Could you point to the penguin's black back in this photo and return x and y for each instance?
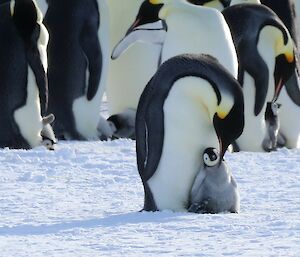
(67, 62)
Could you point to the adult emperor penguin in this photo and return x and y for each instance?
(214, 189)
(170, 141)
(266, 61)
(290, 95)
(130, 73)
(23, 68)
(78, 66)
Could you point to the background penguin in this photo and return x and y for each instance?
(170, 140)
(184, 21)
(78, 65)
(23, 68)
(290, 95)
(215, 189)
(129, 73)
(266, 61)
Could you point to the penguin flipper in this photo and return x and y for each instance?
(258, 70)
(91, 47)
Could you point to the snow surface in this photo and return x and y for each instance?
(83, 200)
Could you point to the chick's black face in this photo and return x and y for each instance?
(211, 157)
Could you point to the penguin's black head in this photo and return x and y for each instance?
(211, 157)
(148, 13)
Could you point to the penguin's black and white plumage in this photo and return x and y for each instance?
(23, 88)
(266, 61)
(215, 189)
(170, 140)
(290, 95)
(78, 66)
(172, 23)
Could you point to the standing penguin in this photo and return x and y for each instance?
(266, 61)
(169, 140)
(290, 95)
(23, 88)
(214, 189)
(78, 65)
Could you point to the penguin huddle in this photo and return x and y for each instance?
(266, 57)
(186, 79)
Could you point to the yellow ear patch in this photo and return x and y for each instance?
(289, 56)
(224, 108)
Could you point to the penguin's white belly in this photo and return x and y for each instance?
(188, 131)
(255, 126)
(129, 74)
(28, 117)
(86, 116)
(289, 122)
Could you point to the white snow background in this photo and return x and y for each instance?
(83, 199)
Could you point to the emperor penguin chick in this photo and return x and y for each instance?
(214, 189)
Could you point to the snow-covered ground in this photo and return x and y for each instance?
(83, 200)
